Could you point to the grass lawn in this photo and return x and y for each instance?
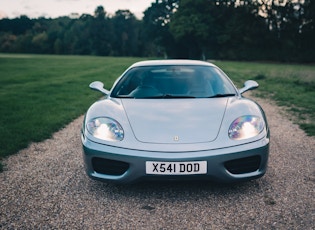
(39, 94)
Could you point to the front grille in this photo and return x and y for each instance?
(243, 165)
(109, 167)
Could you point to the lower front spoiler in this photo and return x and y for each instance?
(228, 165)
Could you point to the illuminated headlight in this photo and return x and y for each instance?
(105, 129)
(245, 127)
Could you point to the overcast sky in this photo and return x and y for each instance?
(56, 8)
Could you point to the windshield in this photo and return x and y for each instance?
(173, 82)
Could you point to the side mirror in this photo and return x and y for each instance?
(248, 85)
(99, 86)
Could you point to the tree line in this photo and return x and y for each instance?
(276, 30)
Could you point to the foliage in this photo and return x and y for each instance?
(197, 29)
(192, 26)
(155, 29)
(126, 34)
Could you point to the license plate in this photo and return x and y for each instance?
(176, 168)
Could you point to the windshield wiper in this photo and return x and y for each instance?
(176, 96)
(171, 96)
(124, 96)
(167, 96)
(222, 95)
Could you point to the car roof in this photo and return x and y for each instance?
(171, 62)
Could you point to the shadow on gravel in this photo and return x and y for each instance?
(176, 191)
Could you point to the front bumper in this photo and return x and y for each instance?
(226, 165)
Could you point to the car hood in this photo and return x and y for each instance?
(175, 121)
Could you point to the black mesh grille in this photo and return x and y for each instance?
(243, 165)
(109, 167)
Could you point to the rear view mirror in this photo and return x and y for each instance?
(248, 85)
(99, 86)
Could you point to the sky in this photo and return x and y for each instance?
(57, 8)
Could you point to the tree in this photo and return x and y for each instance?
(78, 39)
(281, 30)
(7, 42)
(243, 35)
(16, 26)
(101, 33)
(126, 32)
(155, 28)
(100, 13)
(307, 34)
(192, 27)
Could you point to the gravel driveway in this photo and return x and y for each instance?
(45, 187)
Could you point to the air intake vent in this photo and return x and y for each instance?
(109, 167)
(243, 165)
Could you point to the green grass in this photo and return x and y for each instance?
(39, 94)
(292, 86)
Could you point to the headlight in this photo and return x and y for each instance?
(105, 128)
(245, 127)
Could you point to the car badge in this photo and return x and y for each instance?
(176, 138)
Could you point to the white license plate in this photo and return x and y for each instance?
(176, 168)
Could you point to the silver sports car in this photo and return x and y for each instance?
(174, 120)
